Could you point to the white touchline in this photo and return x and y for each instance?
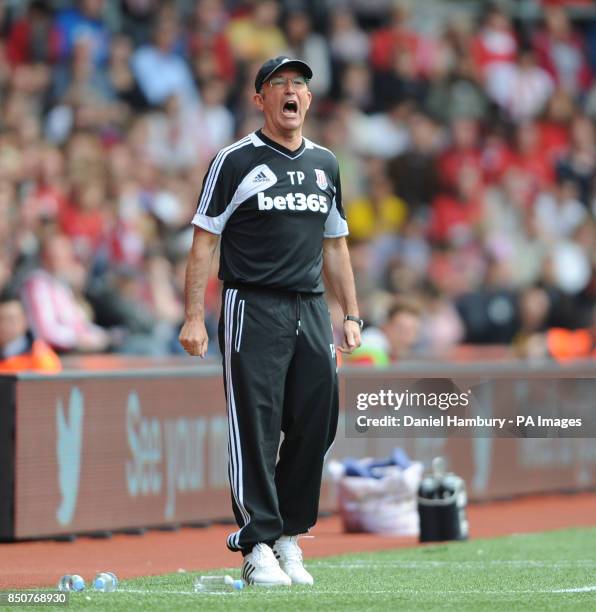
(456, 564)
(288, 591)
(586, 589)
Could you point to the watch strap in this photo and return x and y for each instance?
(355, 319)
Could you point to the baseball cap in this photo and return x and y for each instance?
(274, 64)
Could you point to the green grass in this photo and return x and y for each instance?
(520, 572)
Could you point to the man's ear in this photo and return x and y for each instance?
(309, 98)
(258, 101)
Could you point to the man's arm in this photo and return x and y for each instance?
(193, 335)
(338, 274)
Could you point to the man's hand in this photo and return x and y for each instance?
(352, 338)
(193, 337)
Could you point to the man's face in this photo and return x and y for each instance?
(284, 101)
(13, 323)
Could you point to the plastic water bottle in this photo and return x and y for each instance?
(217, 584)
(71, 582)
(105, 582)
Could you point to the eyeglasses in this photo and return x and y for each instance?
(299, 82)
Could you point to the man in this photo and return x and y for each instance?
(275, 199)
(19, 350)
(160, 71)
(53, 310)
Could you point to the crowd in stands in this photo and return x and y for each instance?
(466, 141)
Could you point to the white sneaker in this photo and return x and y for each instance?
(289, 555)
(261, 568)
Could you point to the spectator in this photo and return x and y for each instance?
(494, 50)
(562, 344)
(464, 150)
(523, 89)
(388, 43)
(357, 88)
(83, 216)
(160, 71)
(83, 23)
(395, 339)
(554, 125)
(32, 38)
(208, 36)
(383, 135)
(490, 313)
(142, 308)
(400, 81)
(173, 135)
(455, 218)
(137, 19)
(120, 76)
(534, 307)
(579, 165)
(441, 326)
(414, 173)
(311, 47)
(562, 52)
(217, 118)
(348, 43)
(46, 198)
(79, 81)
(380, 213)
(531, 158)
(256, 36)
(53, 310)
(19, 349)
(558, 213)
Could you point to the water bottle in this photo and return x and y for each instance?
(72, 582)
(106, 582)
(217, 584)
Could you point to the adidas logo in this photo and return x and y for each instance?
(261, 178)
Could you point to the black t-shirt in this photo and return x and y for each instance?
(272, 207)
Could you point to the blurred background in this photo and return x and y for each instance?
(464, 131)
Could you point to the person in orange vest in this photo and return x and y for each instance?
(564, 344)
(19, 349)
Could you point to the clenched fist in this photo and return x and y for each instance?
(193, 337)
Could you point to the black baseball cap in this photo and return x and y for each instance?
(274, 64)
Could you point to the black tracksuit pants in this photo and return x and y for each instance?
(279, 376)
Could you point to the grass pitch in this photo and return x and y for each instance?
(547, 571)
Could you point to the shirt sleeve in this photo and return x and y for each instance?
(215, 202)
(336, 225)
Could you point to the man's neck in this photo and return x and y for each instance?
(290, 140)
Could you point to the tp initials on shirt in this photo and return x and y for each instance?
(298, 178)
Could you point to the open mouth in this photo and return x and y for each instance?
(290, 108)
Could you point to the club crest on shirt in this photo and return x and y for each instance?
(321, 179)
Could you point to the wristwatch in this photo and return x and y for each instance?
(355, 319)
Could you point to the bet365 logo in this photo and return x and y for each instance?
(294, 201)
